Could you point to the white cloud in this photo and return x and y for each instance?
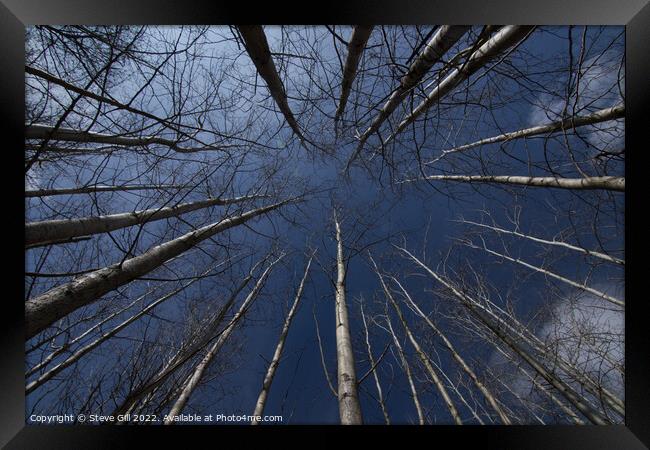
(598, 89)
(576, 322)
(589, 334)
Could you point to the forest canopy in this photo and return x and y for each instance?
(325, 224)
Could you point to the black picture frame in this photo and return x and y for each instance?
(634, 14)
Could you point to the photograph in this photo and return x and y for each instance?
(325, 224)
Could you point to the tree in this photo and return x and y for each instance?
(275, 361)
(348, 396)
(195, 377)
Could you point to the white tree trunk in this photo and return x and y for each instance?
(348, 395)
(358, 40)
(56, 242)
(47, 308)
(196, 343)
(418, 350)
(98, 188)
(515, 394)
(444, 38)
(505, 38)
(407, 370)
(512, 325)
(603, 115)
(193, 380)
(275, 361)
(578, 402)
(555, 243)
(37, 233)
(97, 342)
(568, 411)
(38, 131)
(371, 359)
(459, 359)
(45, 361)
(569, 394)
(607, 183)
(258, 50)
(548, 273)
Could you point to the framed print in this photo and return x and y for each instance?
(408, 218)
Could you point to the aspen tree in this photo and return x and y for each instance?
(56, 303)
(358, 40)
(348, 395)
(275, 361)
(192, 382)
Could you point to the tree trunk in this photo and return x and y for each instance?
(603, 115)
(567, 392)
(444, 38)
(568, 411)
(371, 359)
(459, 359)
(348, 395)
(407, 370)
(548, 273)
(517, 329)
(418, 350)
(37, 233)
(194, 379)
(44, 362)
(589, 183)
(47, 308)
(195, 344)
(548, 242)
(360, 36)
(258, 50)
(97, 342)
(38, 131)
(505, 38)
(93, 189)
(275, 361)
(56, 242)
